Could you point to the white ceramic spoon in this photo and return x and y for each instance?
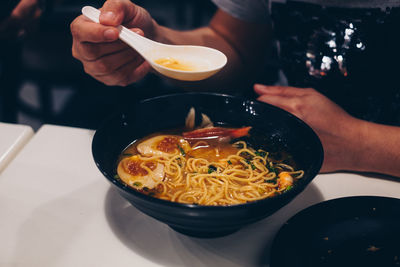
(203, 61)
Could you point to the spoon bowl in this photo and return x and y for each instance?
(200, 62)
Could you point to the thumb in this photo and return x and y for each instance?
(116, 12)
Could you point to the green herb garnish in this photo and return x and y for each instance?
(229, 162)
(211, 169)
(181, 150)
(137, 183)
(251, 164)
(271, 168)
(260, 153)
(288, 188)
(246, 155)
(117, 177)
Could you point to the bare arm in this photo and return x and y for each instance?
(349, 143)
(378, 148)
(243, 43)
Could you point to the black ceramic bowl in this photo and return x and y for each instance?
(280, 130)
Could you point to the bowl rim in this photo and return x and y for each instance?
(294, 191)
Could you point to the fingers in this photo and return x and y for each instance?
(284, 97)
(92, 40)
(92, 51)
(126, 74)
(89, 51)
(25, 9)
(112, 62)
(102, 54)
(116, 12)
(113, 13)
(26, 13)
(274, 100)
(84, 30)
(279, 90)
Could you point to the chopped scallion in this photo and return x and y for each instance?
(260, 153)
(289, 188)
(182, 151)
(137, 184)
(251, 164)
(211, 169)
(271, 168)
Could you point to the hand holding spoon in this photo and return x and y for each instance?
(181, 62)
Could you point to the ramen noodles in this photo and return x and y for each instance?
(208, 166)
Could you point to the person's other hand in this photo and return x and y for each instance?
(102, 54)
(22, 20)
(336, 129)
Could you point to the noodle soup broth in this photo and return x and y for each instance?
(204, 171)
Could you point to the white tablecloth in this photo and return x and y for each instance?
(57, 209)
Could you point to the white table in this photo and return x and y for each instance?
(12, 138)
(57, 209)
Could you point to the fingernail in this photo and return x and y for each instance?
(109, 16)
(110, 34)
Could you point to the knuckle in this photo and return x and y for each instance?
(106, 82)
(102, 67)
(86, 70)
(119, 3)
(296, 105)
(115, 4)
(95, 67)
(112, 80)
(90, 51)
(124, 82)
(101, 79)
(74, 53)
(74, 28)
(121, 79)
(73, 50)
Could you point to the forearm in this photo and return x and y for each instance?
(350, 144)
(376, 148)
(204, 36)
(224, 80)
(235, 39)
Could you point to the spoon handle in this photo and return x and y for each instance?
(134, 40)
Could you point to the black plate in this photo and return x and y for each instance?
(351, 231)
